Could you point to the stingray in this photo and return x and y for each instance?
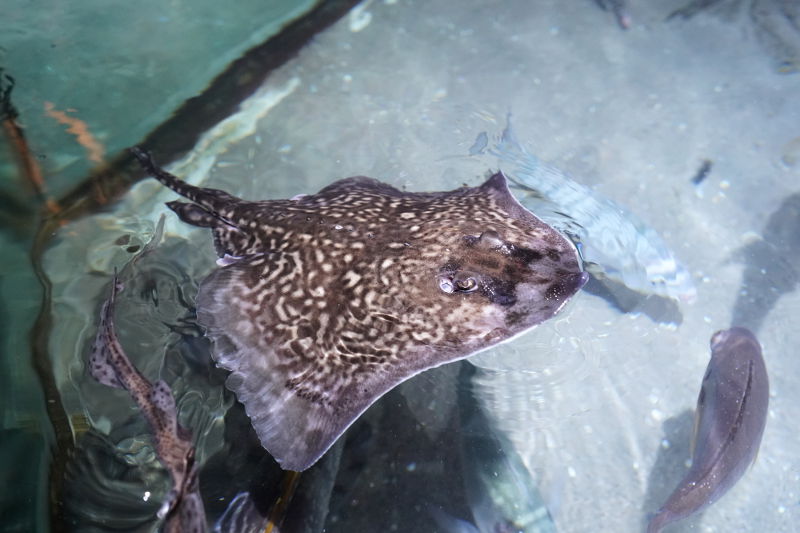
(324, 302)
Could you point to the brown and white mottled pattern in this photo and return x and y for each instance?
(325, 302)
(182, 510)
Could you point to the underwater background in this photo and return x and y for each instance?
(689, 120)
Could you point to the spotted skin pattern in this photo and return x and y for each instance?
(324, 302)
(182, 509)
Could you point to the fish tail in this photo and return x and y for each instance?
(525, 170)
(211, 200)
(658, 521)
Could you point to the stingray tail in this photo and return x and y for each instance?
(209, 208)
(213, 201)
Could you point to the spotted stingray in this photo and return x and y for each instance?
(322, 303)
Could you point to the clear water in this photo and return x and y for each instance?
(597, 403)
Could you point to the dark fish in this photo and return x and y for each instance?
(183, 509)
(729, 421)
(702, 172)
(325, 302)
(620, 10)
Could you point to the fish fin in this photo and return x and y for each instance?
(210, 208)
(216, 202)
(706, 389)
(155, 239)
(659, 520)
(300, 389)
(695, 429)
(194, 214)
(341, 189)
(241, 516)
(228, 238)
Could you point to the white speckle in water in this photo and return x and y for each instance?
(360, 17)
(665, 444)
(285, 149)
(146, 496)
(657, 415)
(411, 467)
(724, 185)
(571, 472)
(347, 78)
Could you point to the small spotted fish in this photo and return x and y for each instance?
(729, 422)
(182, 510)
(324, 302)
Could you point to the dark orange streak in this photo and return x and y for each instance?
(80, 130)
(30, 167)
(278, 511)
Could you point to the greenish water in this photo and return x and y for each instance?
(80, 66)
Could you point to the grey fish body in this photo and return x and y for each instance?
(614, 243)
(329, 300)
(730, 419)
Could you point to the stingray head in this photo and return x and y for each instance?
(498, 282)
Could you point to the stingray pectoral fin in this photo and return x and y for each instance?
(299, 397)
(295, 429)
(238, 315)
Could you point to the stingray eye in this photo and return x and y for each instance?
(466, 284)
(458, 282)
(465, 281)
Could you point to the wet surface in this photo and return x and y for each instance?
(584, 399)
